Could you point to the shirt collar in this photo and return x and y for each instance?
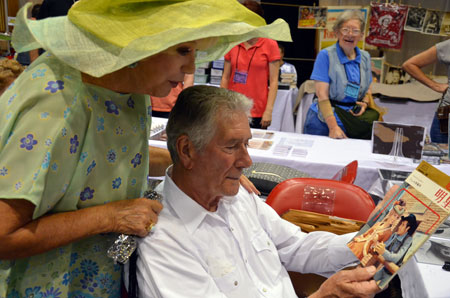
(343, 58)
(400, 238)
(256, 45)
(188, 210)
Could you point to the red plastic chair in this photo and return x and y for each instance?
(347, 173)
(322, 196)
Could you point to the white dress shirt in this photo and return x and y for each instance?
(244, 249)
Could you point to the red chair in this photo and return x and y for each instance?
(347, 173)
(322, 196)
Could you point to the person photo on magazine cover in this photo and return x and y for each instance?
(391, 252)
(381, 231)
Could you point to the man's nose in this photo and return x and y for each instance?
(244, 160)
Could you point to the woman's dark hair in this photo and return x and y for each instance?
(254, 6)
(35, 10)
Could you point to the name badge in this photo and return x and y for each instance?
(352, 90)
(240, 77)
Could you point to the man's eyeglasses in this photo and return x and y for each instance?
(346, 31)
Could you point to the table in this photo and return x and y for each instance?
(325, 156)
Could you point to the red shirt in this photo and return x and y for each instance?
(257, 87)
(165, 104)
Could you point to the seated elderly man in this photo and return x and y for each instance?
(215, 239)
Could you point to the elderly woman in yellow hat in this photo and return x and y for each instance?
(74, 155)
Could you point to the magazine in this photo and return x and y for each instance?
(403, 223)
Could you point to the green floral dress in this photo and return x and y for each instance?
(66, 145)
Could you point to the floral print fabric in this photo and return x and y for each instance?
(66, 145)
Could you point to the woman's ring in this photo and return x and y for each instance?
(150, 227)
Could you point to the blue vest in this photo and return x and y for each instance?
(338, 77)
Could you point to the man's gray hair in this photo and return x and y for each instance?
(195, 113)
(347, 15)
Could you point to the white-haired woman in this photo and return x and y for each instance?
(74, 156)
(342, 75)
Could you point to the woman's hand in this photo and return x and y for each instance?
(439, 87)
(248, 185)
(363, 106)
(133, 217)
(337, 133)
(266, 119)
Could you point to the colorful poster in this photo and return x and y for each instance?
(311, 17)
(327, 36)
(445, 27)
(414, 21)
(377, 69)
(386, 25)
(433, 21)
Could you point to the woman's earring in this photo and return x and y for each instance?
(132, 65)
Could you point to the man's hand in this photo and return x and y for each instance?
(349, 283)
(248, 185)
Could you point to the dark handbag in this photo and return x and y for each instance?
(442, 115)
(265, 176)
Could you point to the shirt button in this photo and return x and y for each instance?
(236, 283)
(268, 243)
(264, 290)
(231, 229)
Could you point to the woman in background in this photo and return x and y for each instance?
(251, 68)
(437, 53)
(342, 75)
(161, 106)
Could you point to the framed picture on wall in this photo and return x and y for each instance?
(445, 27)
(312, 17)
(415, 18)
(433, 22)
(395, 75)
(377, 65)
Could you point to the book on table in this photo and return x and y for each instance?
(403, 223)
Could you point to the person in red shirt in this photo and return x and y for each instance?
(161, 106)
(251, 68)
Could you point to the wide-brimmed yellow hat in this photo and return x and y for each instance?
(101, 36)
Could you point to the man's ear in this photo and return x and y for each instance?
(186, 151)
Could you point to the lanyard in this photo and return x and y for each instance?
(249, 63)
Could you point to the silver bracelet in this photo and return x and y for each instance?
(125, 245)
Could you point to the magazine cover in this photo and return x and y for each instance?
(403, 224)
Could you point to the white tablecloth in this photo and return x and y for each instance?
(326, 156)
